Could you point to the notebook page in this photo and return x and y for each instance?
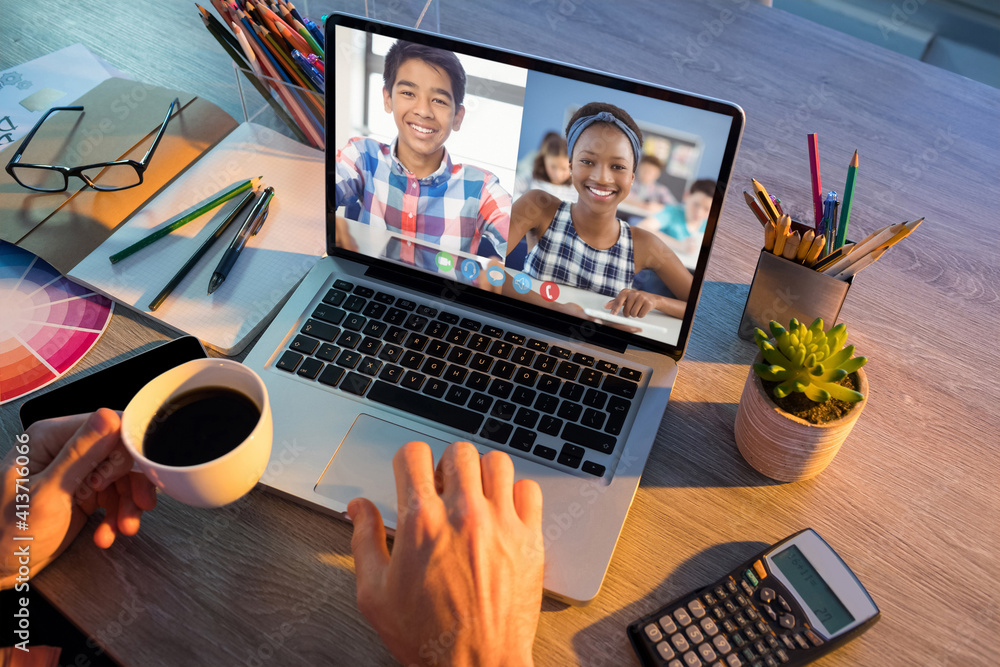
(271, 264)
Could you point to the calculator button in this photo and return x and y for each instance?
(749, 634)
(772, 642)
(675, 663)
(766, 594)
(682, 617)
(668, 625)
(707, 653)
(813, 637)
(691, 659)
(721, 645)
(728, 626)
(801, 641)
(787, 641)
(749, 654)
(665, 651)
(770, 612)
(769, 661)
(653, 632)
(733, 660)
(731, 586)
(730, 607)
(782, 656)
(718, 613)
(709, 599)
(694, 634)
(697, 608)
(752, 613)
(679, 642)
(709, 626)
(760, 646)
(747, 588)
(737, 639)
(751, 578)
(763, 629)
(741, 601)
(742, 620)
(787, 621)
(784, 604)
(758, 567)
(720, 592)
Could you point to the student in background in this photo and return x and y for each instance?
(682, 227)
(411, 186)
(550, 170)
(647, 191)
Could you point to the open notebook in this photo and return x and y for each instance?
(273, 262)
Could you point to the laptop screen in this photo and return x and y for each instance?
(563, 194)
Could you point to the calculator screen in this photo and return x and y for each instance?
(813, 589)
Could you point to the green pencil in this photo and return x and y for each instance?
(180, 222)
(845, 207)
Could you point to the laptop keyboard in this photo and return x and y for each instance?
(547, 402)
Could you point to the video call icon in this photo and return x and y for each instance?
(445, 262)
(495, 276)
(522, 283)
(470, 268)
(549, 291)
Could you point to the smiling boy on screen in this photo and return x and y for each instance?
(411, 186)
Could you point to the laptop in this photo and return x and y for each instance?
(401, 334)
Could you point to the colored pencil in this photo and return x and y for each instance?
(184, 219)
(845, 208)
(752, 203)
(765, 200)
(817, 188)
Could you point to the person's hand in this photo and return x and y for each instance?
(343, 235)
(463, 585)
(71, 466)
(631, 303)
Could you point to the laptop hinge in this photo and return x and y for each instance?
(583, 332)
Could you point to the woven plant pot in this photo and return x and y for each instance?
(785, 447)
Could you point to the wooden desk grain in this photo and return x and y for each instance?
(910, 501)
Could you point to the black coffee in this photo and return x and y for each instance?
(199, 426)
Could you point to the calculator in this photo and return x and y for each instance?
(795, 601)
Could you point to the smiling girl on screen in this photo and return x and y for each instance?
(584, 244)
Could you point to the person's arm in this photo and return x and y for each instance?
(58, 473)
(463, 584)
(650, 253)
(349, 187)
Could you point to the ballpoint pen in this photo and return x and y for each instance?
(179, 276)
(250, 228)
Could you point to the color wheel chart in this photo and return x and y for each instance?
(47, 322)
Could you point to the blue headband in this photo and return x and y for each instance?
(582, 123)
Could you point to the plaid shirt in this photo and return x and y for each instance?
(455, 207)
(563, 257)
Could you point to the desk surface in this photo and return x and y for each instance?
(910, 501)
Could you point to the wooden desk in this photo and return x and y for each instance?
(910, 501)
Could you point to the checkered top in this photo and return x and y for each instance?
(455, 207)
(563, 257)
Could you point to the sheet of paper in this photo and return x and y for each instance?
(28, 90)
(290, 242)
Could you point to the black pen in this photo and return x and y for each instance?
(175, 281)
(250, 228)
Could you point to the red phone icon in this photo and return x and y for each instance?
(549, 290)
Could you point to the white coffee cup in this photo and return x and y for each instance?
(219, 481)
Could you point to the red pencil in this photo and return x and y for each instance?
(817, 188)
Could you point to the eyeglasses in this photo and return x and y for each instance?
(103, 176)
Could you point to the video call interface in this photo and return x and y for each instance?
(478, 186)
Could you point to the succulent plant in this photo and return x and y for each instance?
(808, 360)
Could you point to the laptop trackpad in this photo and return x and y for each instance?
(362, 465)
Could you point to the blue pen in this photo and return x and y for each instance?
(829, 221)
(315, 31)
(309, 70)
